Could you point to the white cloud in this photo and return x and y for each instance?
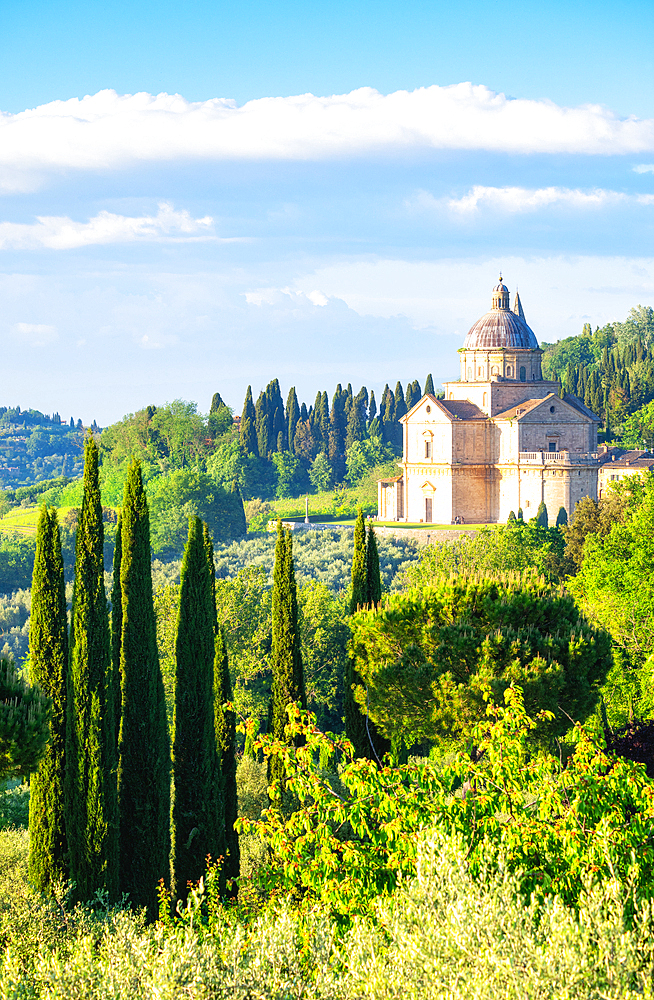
(61, 233)
(273, 296)
(644, 168)
(109, 131)
(519, 199)
(35, 334)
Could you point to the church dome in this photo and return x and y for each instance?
(501, 327)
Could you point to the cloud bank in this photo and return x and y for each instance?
(519, 199)
(108, 131)
(61, 233)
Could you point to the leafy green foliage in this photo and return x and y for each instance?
(16, 562)
(615, 587)
(48, 668)
(557, 829)
(25, 714)
(183, 493)
(429, 657)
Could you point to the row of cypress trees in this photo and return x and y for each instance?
(268, 426)
(100, 800)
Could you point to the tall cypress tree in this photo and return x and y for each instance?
(429, 386)
(287, 671)
(292, 416)
(373, 576)
(144, 751)
(366, 586)
(225, 731)
(248, 433)
(262, 426)
(91, 804)
(197, 816)
(372, 407)
(117, 629)
(48, 862)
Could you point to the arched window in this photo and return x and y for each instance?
(523, 374)
(495, 370)
(485, 403)
(509, 370)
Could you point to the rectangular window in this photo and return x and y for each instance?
(552, 445)
(399, 499)
(427, 449)
(428, 509)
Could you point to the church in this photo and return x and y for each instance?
(503, 438)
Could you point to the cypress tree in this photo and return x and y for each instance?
(216, 402)
(366, 589)
(262, 426)
(541, 515)
(144, 751)
(248, 434)
(287, 671)
(561, 517)
(292, 416)
(429, 386)
(355, 426)
(91, 804)
(373, 576)
(117, 628)
(48, 665)
(197, 815)
(225, 732)
(372, 408)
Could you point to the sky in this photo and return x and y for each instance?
(197, 197)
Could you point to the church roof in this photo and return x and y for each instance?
(463, 409)
(501, 327)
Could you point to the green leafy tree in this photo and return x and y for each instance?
(91, 802)
(25, 714)
(291, 476)
(286, 656)
(144, 749)
(615, 588)
(48, 665)
(324, 635)
(320, 472)
(429, 657)
(197, 815)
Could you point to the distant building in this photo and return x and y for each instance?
(502, 439)
(618, 463)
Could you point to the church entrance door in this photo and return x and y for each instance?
(428, 510)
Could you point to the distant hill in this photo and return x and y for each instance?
(35, 446)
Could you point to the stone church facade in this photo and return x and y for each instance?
(500, 440)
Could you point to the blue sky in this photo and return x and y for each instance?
(197, 197)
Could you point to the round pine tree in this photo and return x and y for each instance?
(197, 821)
(91, 803)
(144, 750)
(48, 666)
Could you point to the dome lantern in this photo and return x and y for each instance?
(502, 327)
(501, 296)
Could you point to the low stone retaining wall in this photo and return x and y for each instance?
(422, 535)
